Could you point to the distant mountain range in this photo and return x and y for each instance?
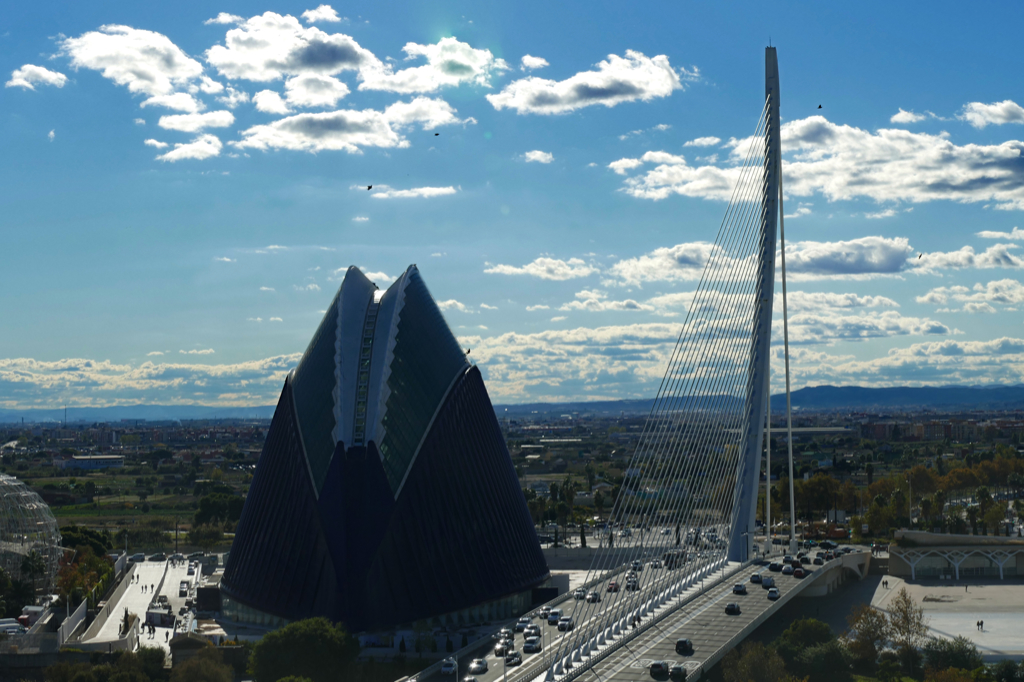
(810, 399)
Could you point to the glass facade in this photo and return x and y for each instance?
(352, 541)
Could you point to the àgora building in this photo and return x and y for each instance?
(385, 493)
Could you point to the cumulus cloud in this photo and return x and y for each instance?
(207, 351)
(270, 46)
(616, 80)
(312, 286)
(854, 259)
(449, 63)
(844, 163)
(595, 300)
(907, 117)
(414, 193)
(349, 130)
(531, 308)
(202, 147)
(232, 98)
(225, 18)
(681, 262)
(155, 352)
(29, 76)
(821, 301)
(452, 304)
(267, 289)
(538, 156)
(276, 319)
(224, 259)
(829, 327)
(52, 134)
(314, 90)
(980, 115)
(145, 62)
(996, 256)
(703, 142)
(381, 277)
(270, 102)
(980, 298)
(1016, 234)
(484, 306)
(193, 123)
(179, 101)
(661, 127)
(321, 13)
(140, 121)
(546, 268)
(360, 219)
(529, 63)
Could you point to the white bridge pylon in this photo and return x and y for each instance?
(690, 495)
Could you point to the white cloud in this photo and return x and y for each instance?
(270, 102)
(531, 308)
(703, 142)
(267, 289)
(538, 156)
(321, 13)
(675, 263)
(449, 63)
(202, 147)
(597, 301)
(800, 212)
(1005, 292)
(179, 101)
(439, 254)
(140, 121)
(414, 193)
(276, 319)
(208, 351)
(844, 163)
(452, 304)
(616, 80)
(360, 219)
(546, 268)
(1016, 234)
(661, 127)
(381, 277)
(155, 352)
(145, 62)
(484, 306)
(431, 113)
(887, 213)
(314, 90)
(232, 98)
(29, 76)
(907, 117)
(854, 259)
(530, 63)
(821, 301)
(224, 259)
(225, 18)
(996, 256)
(193, 123)
(829, 326)
(559, 318)
(980, 115)
(254, 319)
(52, 134)
(270, 46)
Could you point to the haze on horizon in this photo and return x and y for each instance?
(184, 189)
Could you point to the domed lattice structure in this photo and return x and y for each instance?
(27, 525)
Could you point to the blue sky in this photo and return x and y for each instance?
(179, 193)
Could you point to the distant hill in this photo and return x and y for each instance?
(811, 399)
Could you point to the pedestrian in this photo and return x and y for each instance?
(152, 588)
(965, 588)
(167, 636)
(983, 626)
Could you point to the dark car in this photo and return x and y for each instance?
(799, 573)
(768, 582)
(775, 567)
(739, 588)
(659, 668)
(684, 646)
(805, 560)
(818, 561)
(158, 557)
(756, 578)
(677, 672)
(513, 658)
(732, 609)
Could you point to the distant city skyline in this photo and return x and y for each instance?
(184, 189)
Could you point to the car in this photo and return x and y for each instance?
(565, 623)
(739, 588)
(532, 631)
(579, 593)
(191, 570)
(684, 646)
(593, 597)
(196, 555)
(827, 544)
(544, 611)
(513, 658)
(657, 563)
(523, 623)
(506, 633)
(787, 570)
(799, 573)
(755, 578)
(502, 647)
(613, 586)
(666, 531)
(768, 582)
(677, 672)
(632, 586)
(637, 565)
(553, 616)
(732, 609)
(787, 559)
(532, 645)
(818, 561)
(177, 557)
(773, 593)
(159, 556)
(775, 567)
(829, 556)
(659, 668)
(478, 665)
(805, 560)
(449, 666)
(847, 550)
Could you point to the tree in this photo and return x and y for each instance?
(1006, 670)
(553, 491)
(951, 675)
(313, 648)
(205, 537)
(870, 471)
(994, 518)
(908, 629)
(599, 501)
(206, 666)
(33, 565)
(753, 662)
(959, 652)
(801, 634)
(591, 475)
(825, 663)
(868, 633)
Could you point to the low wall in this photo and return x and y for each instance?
(127, 642)
(103, 614)
(71, 623)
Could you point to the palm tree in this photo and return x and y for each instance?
(926, 511)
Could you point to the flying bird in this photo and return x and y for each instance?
(467, 351)
(369, 187)
(436, 134)
(819, 106)
(919, 256)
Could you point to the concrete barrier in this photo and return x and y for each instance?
(115, 597)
